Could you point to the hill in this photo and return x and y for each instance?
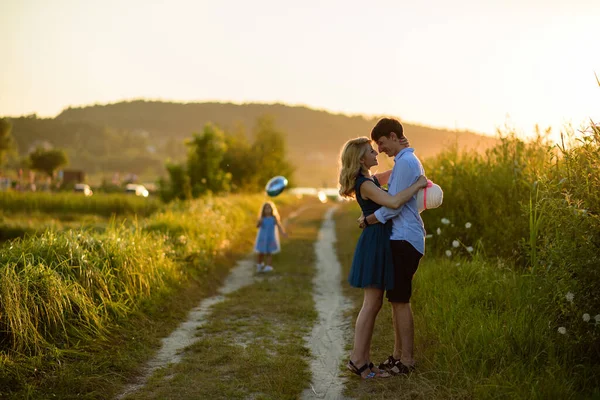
(314, 137)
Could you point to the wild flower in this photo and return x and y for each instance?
(562, 330)
(597, 318)
(569, 296)
(438, 231)
(470, 249)
(445, 221)
(448, 253)
(429, 236)
(586, 317)
(468, 225)
(455, 243)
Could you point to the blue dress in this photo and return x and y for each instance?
(372, 265)
(267, 238)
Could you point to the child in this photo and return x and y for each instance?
(267, 238)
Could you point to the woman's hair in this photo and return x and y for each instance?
(350, 165)
(262, 210)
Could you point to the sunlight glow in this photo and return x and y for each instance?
(466, 65)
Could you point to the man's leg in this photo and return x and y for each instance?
(404, 333)
(406, 262)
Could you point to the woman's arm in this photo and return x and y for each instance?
(383, 177)
(259, 223)
(369, 190)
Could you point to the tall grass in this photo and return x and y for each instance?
(99, 204)
(484, 329)
(536, 206)
(61, 290)
(488, 191)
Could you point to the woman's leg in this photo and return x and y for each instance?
(268, 259)
(365, 322)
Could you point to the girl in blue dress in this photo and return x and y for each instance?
(372, 266)
(267, 238)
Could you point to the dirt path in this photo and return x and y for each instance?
(326, 342)
(185, 335)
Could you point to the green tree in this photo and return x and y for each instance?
(205, 154)
(48, 161)
(6, 139)
(269, 152)
(236, 161)
(179, 185)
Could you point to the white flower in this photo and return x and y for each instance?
(562, 330)
(586, 317)
(457, 264)
(445, 221)
(428, 236)
(439, 231)
(597, 318)
(569, 296)
(455, 243)
(448, 253)
(470, 249)
(468, 225)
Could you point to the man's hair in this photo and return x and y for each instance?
(385, 126)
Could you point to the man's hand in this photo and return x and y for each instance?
(361, 222)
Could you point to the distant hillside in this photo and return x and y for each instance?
(314, 136)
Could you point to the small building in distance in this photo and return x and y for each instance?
(71, 176)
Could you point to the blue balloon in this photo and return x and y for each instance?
(276, 185)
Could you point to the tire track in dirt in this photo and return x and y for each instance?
(327, 340)
(173, 346)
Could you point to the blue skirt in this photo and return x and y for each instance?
(372, 265)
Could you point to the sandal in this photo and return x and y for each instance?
(395, 367)
(359, 371)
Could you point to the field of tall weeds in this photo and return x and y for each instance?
(61, 289)
(536, 206)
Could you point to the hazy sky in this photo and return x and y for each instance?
(458, 64)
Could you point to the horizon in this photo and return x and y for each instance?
(460, 67)
(350, 115)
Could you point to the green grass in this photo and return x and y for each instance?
(74, 203)
(66, 293)
(253, 343)
(482, 331)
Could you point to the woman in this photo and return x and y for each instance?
(372, 266)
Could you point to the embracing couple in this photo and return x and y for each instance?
(391, 244)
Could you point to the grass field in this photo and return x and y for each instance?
(482, 331)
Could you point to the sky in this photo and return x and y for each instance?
(462, 64)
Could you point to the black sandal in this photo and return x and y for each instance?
(395, 367)
(359, 371)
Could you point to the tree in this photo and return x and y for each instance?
(236, 161)
(269, 152)
(179, 184)
(205, 154)
(48, 161)
(6, 140)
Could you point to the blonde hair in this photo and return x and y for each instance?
(275, 213)
(350, 165)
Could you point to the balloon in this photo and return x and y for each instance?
(430, 197)
(276, 185)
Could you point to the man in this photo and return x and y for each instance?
(407, 240)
